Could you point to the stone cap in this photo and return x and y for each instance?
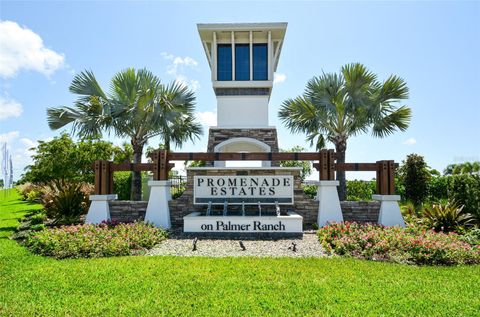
(386, 197)
(103, 197)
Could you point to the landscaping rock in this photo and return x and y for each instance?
(178, 245)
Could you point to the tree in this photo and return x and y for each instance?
(414, 174)
(335, 107)
(138, 106)
(305, 165)
(62, 158)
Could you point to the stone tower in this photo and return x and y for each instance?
(243, 58)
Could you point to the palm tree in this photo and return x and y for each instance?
(138, 106)
(335, 107)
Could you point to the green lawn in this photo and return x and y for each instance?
(33, 285)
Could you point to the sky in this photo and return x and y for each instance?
(434, 46)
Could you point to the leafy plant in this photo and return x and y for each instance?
(66, 201)
(447, 217)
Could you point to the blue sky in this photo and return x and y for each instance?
(434, 46)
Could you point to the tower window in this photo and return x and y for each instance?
(242, 62)
(260, 62)
(224, 62)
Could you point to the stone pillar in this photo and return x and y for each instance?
(329, 209)
(158, 211)
(390, 214)
(99, 209)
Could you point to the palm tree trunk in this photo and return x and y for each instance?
(136, 192)
(340, 149)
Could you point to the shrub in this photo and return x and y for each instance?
(438, 188)
(122, 183)
(25, 189)
(414, 175)
(310, 190)
(412, 246)
(446, 217)
(95, 240)
(360, 190)
(66, 201)
(465, 189)
(472, 237)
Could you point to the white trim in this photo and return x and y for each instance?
(261, 144)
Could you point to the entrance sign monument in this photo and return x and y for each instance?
(254, 201)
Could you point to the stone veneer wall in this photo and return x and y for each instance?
(265, 135)
(127, 211)
(360, 211)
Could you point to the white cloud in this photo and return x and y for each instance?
(9, 108)
(279, 78)
(410, 141)
(9, 136)
(21, 48)
(178, 67)
(207, 118)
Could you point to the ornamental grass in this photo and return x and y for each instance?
(395, 244)
(88, 241)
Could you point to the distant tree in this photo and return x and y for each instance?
(62, 158)
(138, 106)
(335, 107)
(462, 168)
(414, 174)
(305, 165)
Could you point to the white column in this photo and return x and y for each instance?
(158, 211)
(233, 55)
(329, 209)
(214, 54)
(390, 214)
(99, 209)
(269, 56)
(251, 55)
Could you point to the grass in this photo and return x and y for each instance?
(132, 286)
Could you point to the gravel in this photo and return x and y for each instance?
(176, 245)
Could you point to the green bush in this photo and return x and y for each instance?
(411, 246)
(360, 190)
(447, 217)
(310, 190)
(465, 189)
(95, 240)
(414, 175)
(438, 188)
(122, 184)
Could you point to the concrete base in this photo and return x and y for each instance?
(329, 209)
(99, 210)
(158, 211)
(390, 214)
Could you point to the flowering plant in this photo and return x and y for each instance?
(411, 245)
(105, 239)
